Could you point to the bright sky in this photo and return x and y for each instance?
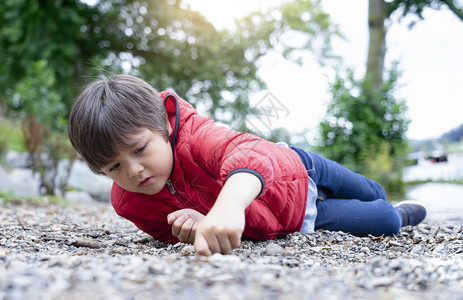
(430, 55)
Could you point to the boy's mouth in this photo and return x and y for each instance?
(146, 182)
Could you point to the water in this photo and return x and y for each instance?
(442, 200)
(451, 170)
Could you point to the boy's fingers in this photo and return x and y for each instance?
(213, 243)
(172, 217)
(225, 245)
(185, 230)
(235, 241)
(177, 225)
(191, 237)
(201, 246)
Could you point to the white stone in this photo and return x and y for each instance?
(22, 182)
(79, 197)
(98, 186)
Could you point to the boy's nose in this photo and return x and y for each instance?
(135, 169)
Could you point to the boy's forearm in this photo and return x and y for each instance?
(239, 190)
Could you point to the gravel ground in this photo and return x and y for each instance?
(88, 252)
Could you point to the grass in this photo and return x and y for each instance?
(417, 182)
(10, 198)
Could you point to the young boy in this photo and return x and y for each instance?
(180, 177)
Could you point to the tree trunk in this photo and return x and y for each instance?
(376, 46)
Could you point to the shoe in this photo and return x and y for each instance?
(411, 213)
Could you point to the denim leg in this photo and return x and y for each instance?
(357, 217)
(336, 181)
(350, 201)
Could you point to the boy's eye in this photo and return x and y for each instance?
(140, 150)
(113, 168)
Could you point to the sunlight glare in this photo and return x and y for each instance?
(222, 14)
(89, 2)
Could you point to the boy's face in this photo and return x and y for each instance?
(145, 165)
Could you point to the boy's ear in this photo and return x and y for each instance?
(169, 128)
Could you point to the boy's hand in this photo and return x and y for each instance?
(220, 231)
(184, 223)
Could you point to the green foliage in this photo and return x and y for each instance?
(43, 123)
(381, 131)
(43, 32)
(386, 168)
(416, 7)
(294, 28)
(366, 134)
(49, 49)
(308, 18)
(36, 95)
(216, 70)
(163, 42)
(208, 67)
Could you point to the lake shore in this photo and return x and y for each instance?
(88, 252)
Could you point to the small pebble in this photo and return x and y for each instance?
(393, 243)
(273, 249)
(417, 250)
(88, 244)
(439, 250)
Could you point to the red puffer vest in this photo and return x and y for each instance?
(205, 155)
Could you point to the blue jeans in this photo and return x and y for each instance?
(348, 201)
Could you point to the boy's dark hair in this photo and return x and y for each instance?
(110, 109)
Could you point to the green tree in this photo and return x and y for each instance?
(50, 48)
(164, 42)
(379, 11)
(303, 21)
(174, 47)
(365, 124)
(48, 32)
(42, 111)
(366, 136)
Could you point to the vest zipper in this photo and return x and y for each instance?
(172, 190)
(171, 187)
(180, 197)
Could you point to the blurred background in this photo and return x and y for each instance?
(375, 85)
